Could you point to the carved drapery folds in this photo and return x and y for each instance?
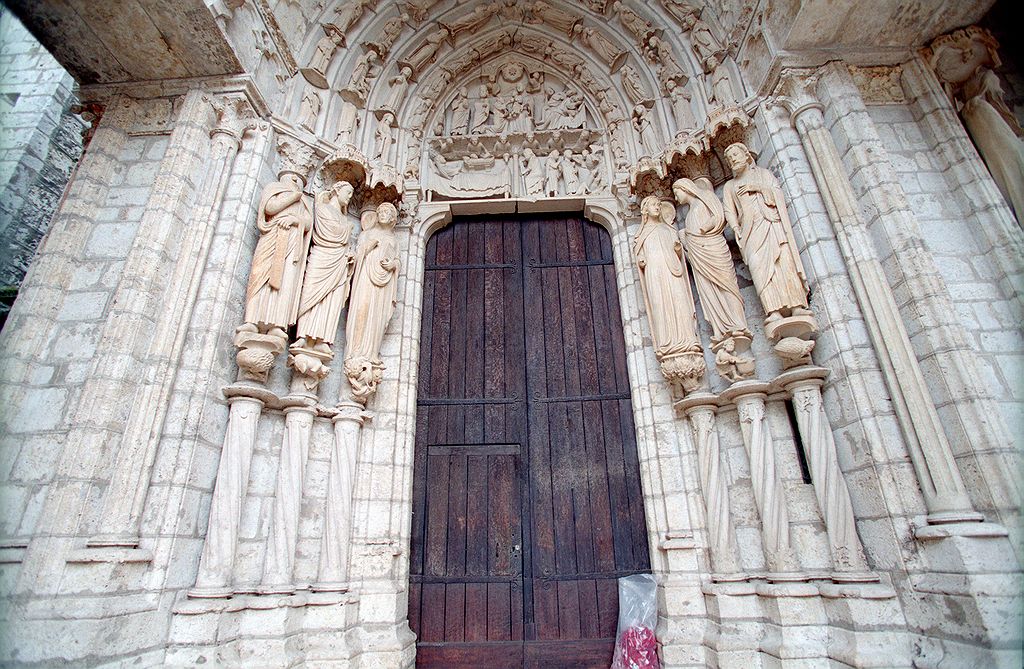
(666, 288)
(964, 61)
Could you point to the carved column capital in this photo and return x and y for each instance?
(234, 117)
(296, 157)
(795, 93)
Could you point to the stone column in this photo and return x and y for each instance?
(334, 549)
(284, 525)
(769, 494)
(218, 558)
(700, 408)
(941, 484)
(804, 385)
(126, 495)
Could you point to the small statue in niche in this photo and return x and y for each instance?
(460, 113)
(366, 68)
(682, 110)
(475, 20)
(347, 123)
(349, 13)
(325, 284)
(604, 48)
(389, 33)
(284, 219)
(399, 83)
(309, 110)
(385, 137)
(533, 173)
(374, 286)
(481, 112)
(552, 172)
(570, 173)
(556, 18)
(713, 271)
(427, 51)
(755, 209)
(632, 22)
(315, 72)
(633, 85)
(666, 289)
(645, 130)
(721, 89)
(703, 41)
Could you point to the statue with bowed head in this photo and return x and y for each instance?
(755, 209)
(374, 287)
(666, 288)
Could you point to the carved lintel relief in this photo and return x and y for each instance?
(515, 132)
(964, 61)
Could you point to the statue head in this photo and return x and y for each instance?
(650, 206)
(684, 190)
(387, 215)
(739, 157)
(668, 213)
(344, 191)
(528, 153)
(296, 180)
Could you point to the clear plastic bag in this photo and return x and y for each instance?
(636, 647)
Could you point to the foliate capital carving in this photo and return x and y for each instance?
(795, 92)
(234, 117)
(296, 157)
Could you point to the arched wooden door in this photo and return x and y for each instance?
(527, 502)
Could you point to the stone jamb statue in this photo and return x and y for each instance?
(374, 287)
(715, 276)
(666, 288)
(755, 209)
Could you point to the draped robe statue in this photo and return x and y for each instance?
(374, 287)
(708, 254)
(666, 288)
(284, 220)
(755, 209)
(328, 269)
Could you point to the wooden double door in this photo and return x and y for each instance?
(527, 501)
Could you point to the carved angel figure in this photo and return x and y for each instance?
(364, 70)
(632, 21)
(682, 111)
(633, 85)
(284, 220)
(721, 90)
(399, 83)
(755, 209)
(385, 136)
(475, 20)
(374, 286)
(427, 51)
(645, 129)
(328, 269)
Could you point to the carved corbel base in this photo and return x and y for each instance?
(791, 335)
(311, 365)
(315, 77)
(684, 371)
(385, 184)
(256, 353)
(730, 362)
(364, 375)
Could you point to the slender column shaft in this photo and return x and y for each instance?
(829, 483)
(284, 527)
(129, 485)
(716, 492)
(942, 486)
(334, 550)
(218, 558)
(769, 494)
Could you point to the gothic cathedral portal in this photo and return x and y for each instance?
(527, 500)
